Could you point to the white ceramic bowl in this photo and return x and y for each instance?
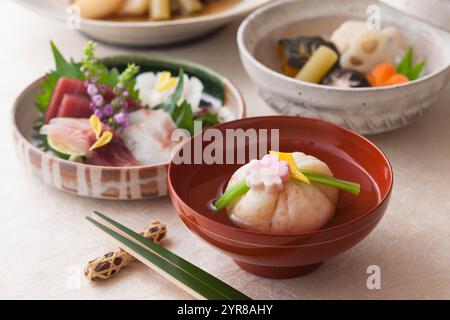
(365, 110)
(145, 32)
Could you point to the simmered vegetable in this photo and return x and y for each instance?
(294, 53)
(160, 9)
(385, 75)
(318, 65)
(362, 48)
(407, 68)
(355, 57)
(155, 10)
(190, 6)
(346, 78)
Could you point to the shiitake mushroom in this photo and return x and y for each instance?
(345, 78)
(294, 53)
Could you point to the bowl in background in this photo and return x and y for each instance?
(365, 110)
(124, 183)
(350, 156)
(145, 33)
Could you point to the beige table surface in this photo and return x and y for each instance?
(45, 240)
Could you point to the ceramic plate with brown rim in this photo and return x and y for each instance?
(139, 31)
(107, 182)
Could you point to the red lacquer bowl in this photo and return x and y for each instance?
(282, 255)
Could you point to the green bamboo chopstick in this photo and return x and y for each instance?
(174, 266)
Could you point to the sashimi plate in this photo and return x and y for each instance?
(107, 182)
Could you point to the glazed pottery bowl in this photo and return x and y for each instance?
(365, 110)
(111, 182)
(192, 187)
(140, 33)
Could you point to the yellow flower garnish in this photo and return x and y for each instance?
(102, 141)
(96, 125)
(165, 81)
(295, 171)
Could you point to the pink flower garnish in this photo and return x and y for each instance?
(269, 173)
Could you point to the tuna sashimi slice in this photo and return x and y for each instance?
(114, 154)
(75, 106)
(63, 87)
(67, 86)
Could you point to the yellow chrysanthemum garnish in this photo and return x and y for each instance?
(295, 171)
(102, 139)
(165, 81)
(96, 125)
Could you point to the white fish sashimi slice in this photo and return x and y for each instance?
(149, 136)
(69, 136)
(195, 93)
(146, 83)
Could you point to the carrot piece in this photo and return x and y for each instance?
(396, 79)
(372, 80)
(382, 72)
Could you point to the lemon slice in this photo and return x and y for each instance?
(64, 149)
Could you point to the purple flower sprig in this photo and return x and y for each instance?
(90, 67)
(119, 104)
(115, 113)
(92, 73)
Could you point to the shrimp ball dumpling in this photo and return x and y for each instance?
(277, 201)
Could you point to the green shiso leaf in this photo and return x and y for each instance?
(182, 114)
(183, 117)
(416, 70)
(407, 68)
(111, 77)
(208, 119)
(406, 62)
(212, 82)
(64, 68)
(170, 104)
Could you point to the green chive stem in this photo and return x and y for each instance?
(231, 195)
(320, 178)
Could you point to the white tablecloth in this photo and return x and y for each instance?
(45, 241)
